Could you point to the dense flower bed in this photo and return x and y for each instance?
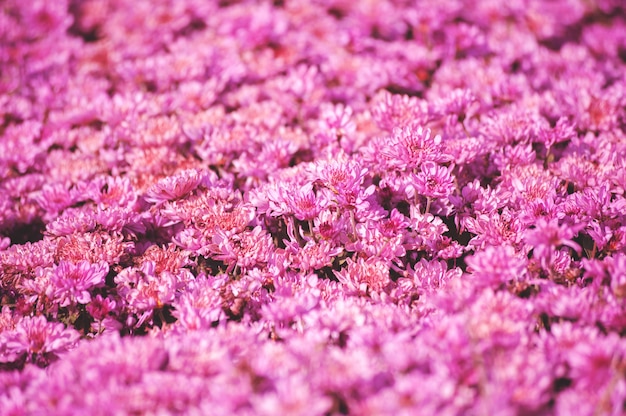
(313, 207)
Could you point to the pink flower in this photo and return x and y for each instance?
(116, 191)
(35, 336)
(41, 18)
(304, 203)
(364, 275)
(292, 395)
(177, 186)
(500, 319)
(376, 243)
(548, 235)
(331, 225)
(72, 281)
(292, 300)
(73, 220)
(572, 303)
(562, 131)
(391, 111)
(193, 240)
(201, 304)
(344, 179)
(495, 229)
(411, 146)
(616, 266)
(426, 230)
(341, 176)
(433, 181)
(336, 121)
(54, 198)
(515, 125)
(461, 103)
(496, 265)
(430, 276)
(243, 250)
(595, 363)
(100, 307)
(312, 256)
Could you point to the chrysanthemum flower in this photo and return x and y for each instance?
(411, 146)
(36, 337)
(72, 281)
(174, 187)
(433, 180)
(547, 235)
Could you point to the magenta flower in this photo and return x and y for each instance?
(100, 307)
(304, 203)
(496, 265)
(312, 256)
(547, 236)
(392, 110)
(177, 186)
(72, 281)
(144, 289)
(201, 305)
(411, 146)
(433, 181)
(322, 207)
(35, 336)
(342, 177)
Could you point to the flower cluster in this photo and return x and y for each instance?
(313, 207)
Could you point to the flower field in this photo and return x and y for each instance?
(321, 207)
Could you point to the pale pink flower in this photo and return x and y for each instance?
(364, 275)
(336, 121)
